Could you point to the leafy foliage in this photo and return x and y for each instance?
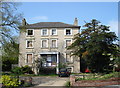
(22, 70)
(10, 81)
(95, 45)
(100, 76)
(10, 21)
(10, 53)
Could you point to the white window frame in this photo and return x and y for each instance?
(27, 58)
(27, 32)
(56, 43)
(41, 43)
(66, 29)
(71, 68)
(32, 44)
(65, 42)
(51, 31)
(42, 32)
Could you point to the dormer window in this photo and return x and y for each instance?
(68, 31)
(30, 32)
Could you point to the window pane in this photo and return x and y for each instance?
(30, 32)
(29, 44)
(68, 32)
(53, 31)
(54, 58)
(54, 43)
(29, 58)
(68, 43)
(44, 43)
(44, 32)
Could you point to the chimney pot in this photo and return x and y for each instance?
(76, 22)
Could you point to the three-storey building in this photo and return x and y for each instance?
(48, 41)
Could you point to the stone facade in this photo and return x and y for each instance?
(49, 43)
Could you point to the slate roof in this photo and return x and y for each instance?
(50, 25)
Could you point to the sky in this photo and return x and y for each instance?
(105, 12)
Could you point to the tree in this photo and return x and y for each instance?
(10, 54)
(95, 45)
(10, 20)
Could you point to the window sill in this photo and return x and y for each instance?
(44, 47)
(44, 35)
(54, 47)
(30, 36)
(68, 35)
(54, 35)
(29, 48)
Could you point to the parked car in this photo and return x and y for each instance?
(64, 72)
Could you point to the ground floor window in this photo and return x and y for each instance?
(70, 69)
(29, 58)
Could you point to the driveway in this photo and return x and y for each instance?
(49, 81)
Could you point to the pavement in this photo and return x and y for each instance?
(57, 82)
(48, 81)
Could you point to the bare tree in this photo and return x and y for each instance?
(10, 20)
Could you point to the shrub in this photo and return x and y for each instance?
(17, 70)
(10, 81)
(22, 70)
(27, 69)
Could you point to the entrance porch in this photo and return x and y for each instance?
(50, 59)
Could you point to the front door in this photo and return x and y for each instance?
(49, 61)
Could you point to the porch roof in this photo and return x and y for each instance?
(49, 52)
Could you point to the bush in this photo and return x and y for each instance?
(27, 69)
(22, 70)
(10, 81)
(17, 70)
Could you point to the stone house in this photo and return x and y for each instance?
(48, 40)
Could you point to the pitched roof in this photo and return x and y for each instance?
(50, 25)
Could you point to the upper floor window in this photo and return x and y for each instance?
(44, 32)
(44, 43)
(30, 32)
(29, 58)
(53, 31)
(68, 31)
(53, 43)
(29, 44)
(68, 43)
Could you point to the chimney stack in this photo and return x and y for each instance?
(76, 22)
(24, 22)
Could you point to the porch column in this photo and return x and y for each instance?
(57, 68)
